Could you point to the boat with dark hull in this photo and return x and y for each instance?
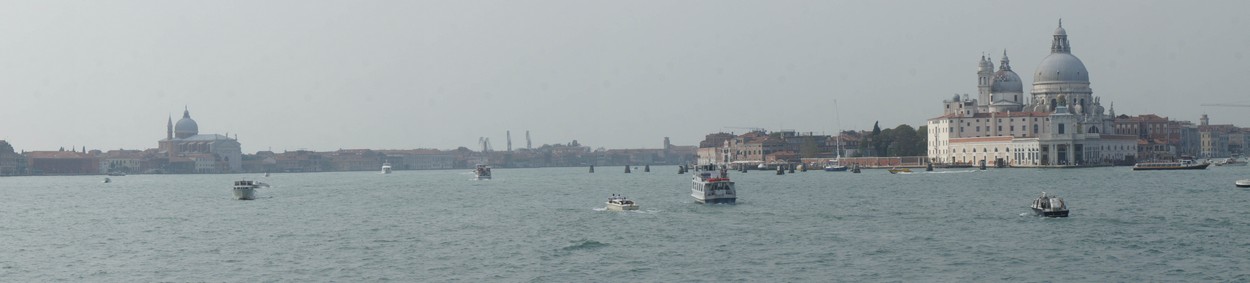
(1049, 206)
(834, 167)
(1243, 183)
(1170, 165)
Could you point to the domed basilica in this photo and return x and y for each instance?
(1060, 125)
(190, 152)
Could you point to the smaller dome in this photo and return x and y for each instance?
(1006, 81)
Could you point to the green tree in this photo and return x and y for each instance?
(883, 141)
(903, 141)
(922, 141)
(872, 142)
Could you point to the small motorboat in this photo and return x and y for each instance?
(107, 180)
(246, 190)
(621, 203)
(899, 170)
(1049, 206)
(1231, 161)
(1243, 183)
(386, 168)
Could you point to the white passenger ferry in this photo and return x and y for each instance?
(386, 168)
(709, 188)
(246, 190)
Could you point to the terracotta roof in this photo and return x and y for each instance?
(56, 154)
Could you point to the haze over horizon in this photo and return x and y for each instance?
(325, 75)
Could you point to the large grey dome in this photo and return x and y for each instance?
(186, 127)
(1061, 67)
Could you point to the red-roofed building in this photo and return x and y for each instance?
(61, 163)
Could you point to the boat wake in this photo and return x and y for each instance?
(952, 172)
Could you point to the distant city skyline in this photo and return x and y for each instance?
(325, 75)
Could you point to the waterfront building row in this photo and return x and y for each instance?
(1061, 124)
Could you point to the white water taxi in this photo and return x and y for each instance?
(386, 168)
(621, 203)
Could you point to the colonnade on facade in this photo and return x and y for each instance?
(1034, 153)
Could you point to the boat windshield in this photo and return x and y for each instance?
(1057, 203)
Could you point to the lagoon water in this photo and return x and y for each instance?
(547, 225)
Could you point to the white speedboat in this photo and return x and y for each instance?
(709, 188)
(246, 190)
(482, 172)
(1049, 206)
(1232, 161)
(1243, 183)
(386, 168)
(621, 203)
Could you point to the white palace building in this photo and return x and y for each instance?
(1061, 125)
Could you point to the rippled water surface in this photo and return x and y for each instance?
(547, 225)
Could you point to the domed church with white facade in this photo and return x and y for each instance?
(1062, 124)
(190, 152)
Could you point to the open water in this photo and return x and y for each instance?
(548, 225)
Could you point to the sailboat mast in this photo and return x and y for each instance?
(837, 121)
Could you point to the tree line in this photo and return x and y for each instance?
(899, 141)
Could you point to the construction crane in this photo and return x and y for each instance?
(484, 142)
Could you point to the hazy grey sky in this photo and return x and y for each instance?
(325, 75)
